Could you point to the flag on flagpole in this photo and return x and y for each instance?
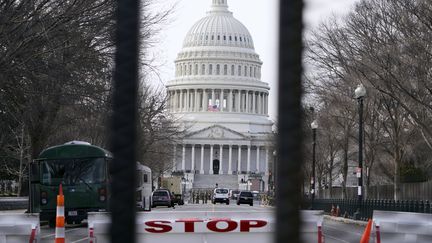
(213, 108)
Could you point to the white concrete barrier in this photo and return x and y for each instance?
(19, 227)
(403, 227)
(202, 227)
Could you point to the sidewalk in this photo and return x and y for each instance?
(345, 220)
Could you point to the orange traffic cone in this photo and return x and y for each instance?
(60, 218)
(366, 235)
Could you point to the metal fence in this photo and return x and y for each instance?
(408, 191)
(351, 208)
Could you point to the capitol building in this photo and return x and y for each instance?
(218, 96)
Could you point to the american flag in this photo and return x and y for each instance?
(213, 108)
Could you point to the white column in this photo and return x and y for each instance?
(239, 160)
(211, 160)
(202, 160)
(187, 100)
(221, 100)
(258, 160)
(238, 101)
(193, 158)
(221, 158)
(230, 160)
(196, 107)
(183, 158)
(213, 98)
(175, 101)
(181, 100)
(230, 99)
(266, 104)
(253, 102)
(259, 103)
(248, 159)
(205, 100)
(174, 157)
(266, 162)
(247, 101)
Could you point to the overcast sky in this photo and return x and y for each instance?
(259, 16)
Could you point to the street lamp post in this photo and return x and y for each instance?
(314, 126)
(360, 93)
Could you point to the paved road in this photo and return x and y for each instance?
(335, 232)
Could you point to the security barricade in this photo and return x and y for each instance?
(200, 226)
(402, 227)
(311, 229)
(19, 227)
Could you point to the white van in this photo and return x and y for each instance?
(144, 187)
(220, 195)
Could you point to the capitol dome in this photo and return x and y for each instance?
(218, 97)
(220, 28)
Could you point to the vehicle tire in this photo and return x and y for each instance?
(238, 203)
(250, 204)
(227, 203)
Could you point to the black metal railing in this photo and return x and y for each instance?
(350, 208)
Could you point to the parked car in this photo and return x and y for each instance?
(245, 197)
(178, 199)
(234, 194)
(162, 197)
(220, 195)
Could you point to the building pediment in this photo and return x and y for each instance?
(216, 132)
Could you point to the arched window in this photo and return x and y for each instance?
(255, 72)
(232, 70)
(225, 69)
(210, 69)
(250, 71)
(239, 70)
(190, 69)
(196, 69)
(217, 69)
(203, 69)
(212, 38)
(224, 37)
(218, 37)
(181, 70)
(245, 71)
(235, 38)
(230, 38)
(240, 38)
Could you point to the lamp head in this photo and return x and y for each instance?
(314, 124)
(360, 91)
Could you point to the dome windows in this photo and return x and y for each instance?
(232, 70)
(217, 69)
(210, 69)
(203, 69)
(225, 69)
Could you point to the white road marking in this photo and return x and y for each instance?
(83, 239)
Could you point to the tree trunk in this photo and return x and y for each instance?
(345, 169)
(20, 172)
